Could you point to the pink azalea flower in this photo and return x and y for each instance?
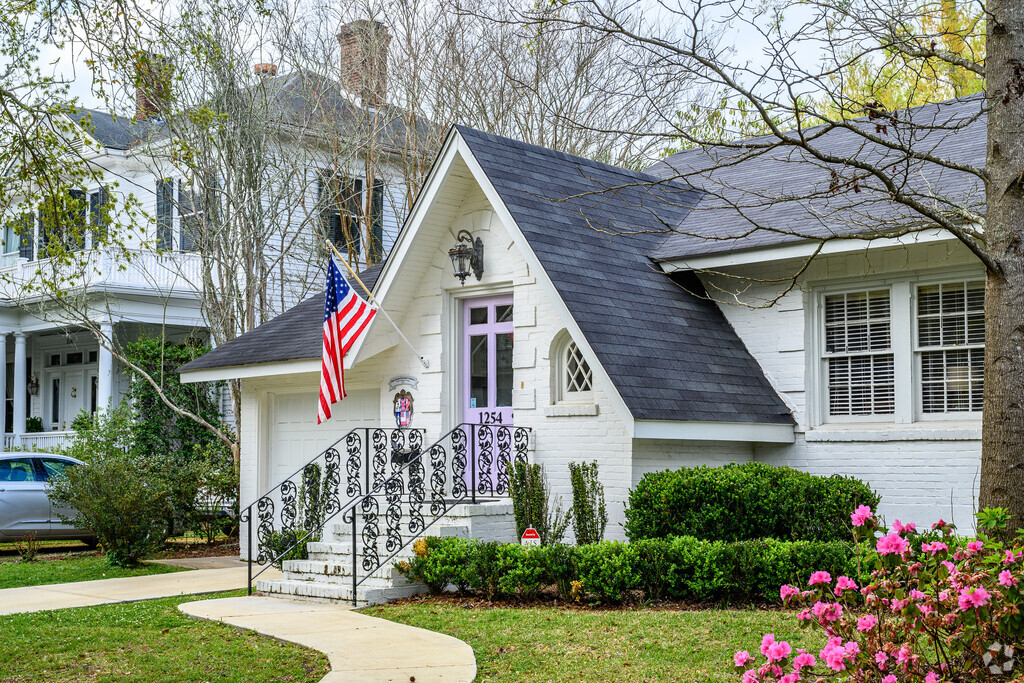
(789, 678)
(880, 659)
(934, 548)
(844, 583)
(827, 611)
(975, 546)
(1006, 578)
(804, 660)
(892, 544)
(804, 616)
(766, 642)
(778, 651)
(932, 677)
(786, 591)
(867, 622)
(939, 525)
(973, 597)
(900, 528)
(861, 516)
(750, 676)
(742, 658)
(888, 679)
(1010, 557)
(820, 577)
(917, 595)
(903, 655)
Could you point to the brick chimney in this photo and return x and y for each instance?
(153, 75)
(364, 60)
(265, 70)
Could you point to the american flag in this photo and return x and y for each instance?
(346, 315)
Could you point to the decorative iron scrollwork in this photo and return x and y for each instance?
(380, 458)
(522, 444)
(370, 532)
(459, 445)
(265, 511)
(353, 465)
(313, 514)
(504, 461)
(331, 491)
(438, 479)
(484, 459)
(394, 488)
(416, 495)
(289, 505)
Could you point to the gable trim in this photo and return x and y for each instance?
(751, 432)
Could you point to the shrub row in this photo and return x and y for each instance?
(742, 502)
(682, 568)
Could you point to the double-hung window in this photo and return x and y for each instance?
(903, 352)
(858, 354)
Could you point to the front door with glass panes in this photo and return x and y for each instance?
(487, 360)
(68, 391)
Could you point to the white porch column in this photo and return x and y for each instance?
(20, 385)
(3, 387)
(105, 371)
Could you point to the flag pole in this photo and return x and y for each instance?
(373, 299)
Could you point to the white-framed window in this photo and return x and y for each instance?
(951, 346)
(573, 380)
(899, 351)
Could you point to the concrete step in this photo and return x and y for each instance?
(341, 551)
(335, 571)
(316, 591)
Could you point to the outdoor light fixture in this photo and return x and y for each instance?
(466, 255)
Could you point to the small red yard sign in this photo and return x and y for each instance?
(530, 537)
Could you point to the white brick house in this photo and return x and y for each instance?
(617, 353)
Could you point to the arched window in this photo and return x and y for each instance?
(572, 380)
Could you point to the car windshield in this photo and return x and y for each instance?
(17, 469)
(55, 467)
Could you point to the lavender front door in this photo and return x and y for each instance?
(487, 360)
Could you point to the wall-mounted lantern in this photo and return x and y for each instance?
(467, 255)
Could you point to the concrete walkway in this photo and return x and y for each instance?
(360, 648)
(130, 589)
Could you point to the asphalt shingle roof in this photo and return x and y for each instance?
(755, 197)
(117, 132)
(295, 334)
(670, 352)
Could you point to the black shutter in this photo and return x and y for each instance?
(77, 213)
(97, 203)
(354, 209)
(377, 221)
(26, 240)
(165, 214)
(44, 232)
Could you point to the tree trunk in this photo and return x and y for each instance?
(1002, 462)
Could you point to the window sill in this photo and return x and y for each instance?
(571, 410)
(903, 432)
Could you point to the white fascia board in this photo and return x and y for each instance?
(291, 367)
(543, 279)
(751, 432)
(406, 235)
(802, 250)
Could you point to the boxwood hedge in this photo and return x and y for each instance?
(744, 502)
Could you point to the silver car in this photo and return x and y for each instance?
(24, 506)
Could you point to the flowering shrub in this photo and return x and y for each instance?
(922, 609)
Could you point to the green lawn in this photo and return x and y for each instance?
(145, 641)
(67, 568)
(553, 644)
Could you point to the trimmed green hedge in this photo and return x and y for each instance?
(681, 568)
(743, 502)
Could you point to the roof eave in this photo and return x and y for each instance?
(748, 432)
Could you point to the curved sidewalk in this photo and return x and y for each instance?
(128, 589)
(360, 648)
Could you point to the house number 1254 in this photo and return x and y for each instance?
(489, 418)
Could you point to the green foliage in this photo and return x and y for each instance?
(160, 429)
(532, 504)
(289, 544)
(612, 572)
(117, 495)
(742, 502)
(33, 424)
(589, 515)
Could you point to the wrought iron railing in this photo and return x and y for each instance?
(297, 509)
(468, 463)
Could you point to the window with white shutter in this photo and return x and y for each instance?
(858, 354)
(951, 346)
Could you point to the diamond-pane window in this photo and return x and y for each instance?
(578, 376)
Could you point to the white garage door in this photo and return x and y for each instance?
(297, 438)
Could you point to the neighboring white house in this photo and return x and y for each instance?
(53, 371)
(591, 325)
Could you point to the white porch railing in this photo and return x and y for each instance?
(140, 269)
(48, 441)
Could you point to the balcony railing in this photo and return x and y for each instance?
(45, 441)
(139, 269)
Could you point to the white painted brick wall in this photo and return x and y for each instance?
(923, 471)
